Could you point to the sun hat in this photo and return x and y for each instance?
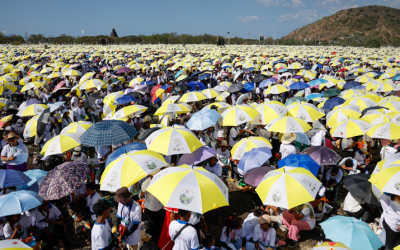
(147, 118)
(11, 135)
(224, 143)
(394, 141)
(288, 138)
(122, 195)
(265, 219)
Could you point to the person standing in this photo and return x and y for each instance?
(12, 151)
(182, 233)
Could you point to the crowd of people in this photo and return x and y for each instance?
(334, 96)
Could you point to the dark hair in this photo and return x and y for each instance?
(335, 170)
(232, 222)
(348, 163)
(182, 212)
(91, 186)
(207, 239)
(100, 206)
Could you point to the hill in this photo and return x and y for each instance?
(357, 27)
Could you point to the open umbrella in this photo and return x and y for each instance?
(177, 108)
(350, 128)
(387, 180)
(193, 96)
(238, 114)
(77, 127)
(130, 168)
(14, 244)
(201, 154)
(89, 100)
(352, 232)
(32, 110)
(203, 119)
(63, 180)
(288, 124)
(385, 130)
(189, 188)
(288, 187)
(269, 111)
(331, 92)
(34, 175)
(18, 202)
(322, 155)
(333, 102)
(235, 87)
(331, 246)
(254, 176)
(359, 187)
(60, 143)
(247, 144)
(130, 148)
(11, 178)
(109, 132)
(172, 141)
(259, 78)
(254, 158)
(305, 111)
(143, 135)
(181, 87)
(130, 110)
(124, 99)
(301, 161)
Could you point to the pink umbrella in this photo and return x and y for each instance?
(59, 85)
(75, 65)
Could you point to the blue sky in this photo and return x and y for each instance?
(134, 17)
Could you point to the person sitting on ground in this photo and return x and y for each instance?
(333, 178)
(214, 167)
(264, 234)
(87, 212)
(350, 165)
(296, 219)
(233, 235)
(17, 227)
(356, 208)
(208, 242)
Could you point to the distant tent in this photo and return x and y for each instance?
(113, 33)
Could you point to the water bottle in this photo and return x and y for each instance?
(366, 171)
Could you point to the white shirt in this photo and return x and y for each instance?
(249, 224)
(223, 157)
(216, 169)
(287, 149)
(346, 142)
(387, 151)
(151, 202)
(22, 233)
(101, 236)
(391, 212)
(81, 158)
(337, 178)
(234, 235)
(264, 238)
(74, 102)
(130, 215)
(355, 164)
(194, 218)
(79, 114)
(9, 151)
(92, 200)
(351, 204)
(187, 240)
(232, 134)
(38, 217)
(308, 214)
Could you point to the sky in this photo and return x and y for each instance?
(245, 18)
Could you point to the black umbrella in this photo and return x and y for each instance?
(331, 92)
(89, 100)
(359, 186)
(235, 87)
(181, 87)
(42, 122)
(147, 89)
(259, 78)
(352, 77)
(372, 108)
(143, 135)
(12, 106)
(135, 94)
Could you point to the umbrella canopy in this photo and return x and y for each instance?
(109, 132)
(235, 87)
(247, 144)
(301, 161)
(198, 156)
(331, 246)
(333, 102)
(124, 99)
(189, 188)
(130, 110)
(331, 92)
(63, 180)
(338, 115)
(322, 155)
(32, 110)
(350, 128)
(172, 141)
(359, 187)
(14, 245)
(11, 178)
(203, 119)
(238, 114)
(385, 130)
(352, 232)
(269, 111)
(193, 96)
(288, 124)
(34, 175)
(392, 160)
(19, 202)
(60, 143)
(181, 87)
(288, 187)
(130, 148)
(77, 127)
(387, 180)
(305, 111)
(143, 135)
(130, 168)
(254, 158)
(42, 121)
(172, 107)
(254, 176)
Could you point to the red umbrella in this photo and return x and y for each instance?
(341, 70)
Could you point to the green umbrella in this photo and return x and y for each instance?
(331, 92)
(296, 99)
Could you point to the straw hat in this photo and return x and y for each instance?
(11, 135)
(224, 143)
(288, 138)
(147, 119)
(265, 219)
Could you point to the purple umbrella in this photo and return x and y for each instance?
(221, 88)
(201, 154)
(123, 70)
(322, 155)
(254, 176)
(63, 180)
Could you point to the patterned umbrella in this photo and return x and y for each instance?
(109, 132)
(11, 178)
(63, 180)
(322, 155)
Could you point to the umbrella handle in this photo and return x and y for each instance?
(166, 245)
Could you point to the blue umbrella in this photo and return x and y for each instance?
(313, 96)
(179, 73)
(299, 85)
(203, 76)
(254, 158)
(267, 82)
(124, 99)
(333, 102)
(282, 70)
(301, 161)
(12, 178)
(302, 138)
(193, 85)
(317, 82)
(19, 202)
(351, 84)
(201, 154)
(55, 106)
(250, 69)
(148, 83)
(247, 87)
(137, 146)
(352, 232)
(34, 175)
(109, 132)
(203, 119)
